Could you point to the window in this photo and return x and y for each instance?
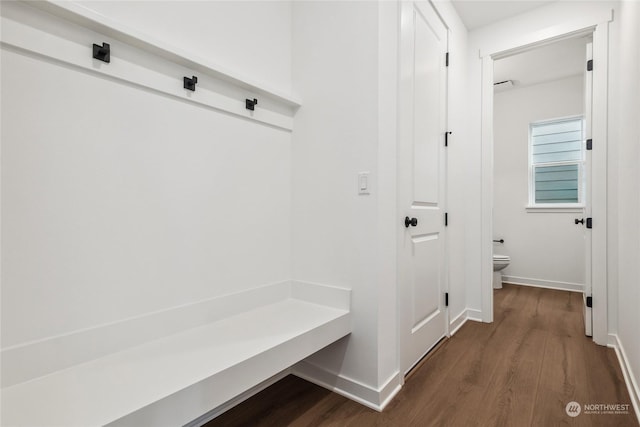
(556, 163)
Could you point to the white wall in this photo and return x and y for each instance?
(249, 38)
(118, 201)
(335, 71)
(543, 246)
(627, 124)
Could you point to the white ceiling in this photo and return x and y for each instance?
(554, 61)
(478, 13)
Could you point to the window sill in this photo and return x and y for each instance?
(555, 208)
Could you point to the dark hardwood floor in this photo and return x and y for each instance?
(521, 370)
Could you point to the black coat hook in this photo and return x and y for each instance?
(190, 83)
(251, 104)
(102, 53)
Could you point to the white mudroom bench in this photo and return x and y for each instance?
(177, 378)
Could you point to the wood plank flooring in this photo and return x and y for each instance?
(521, 370)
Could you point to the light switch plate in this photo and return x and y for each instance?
(364, 183)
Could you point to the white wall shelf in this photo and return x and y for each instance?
(85, 17)
(64, 32)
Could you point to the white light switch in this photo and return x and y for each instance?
(363, 183)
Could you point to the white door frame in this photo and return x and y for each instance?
(598, 25)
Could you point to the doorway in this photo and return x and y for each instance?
(541, 168)
(598, 26)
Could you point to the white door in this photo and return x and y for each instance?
(421, 182)
(588, 319)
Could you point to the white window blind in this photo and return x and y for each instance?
(557, 157)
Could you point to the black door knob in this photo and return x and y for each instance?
(410, 221)
(579, 221)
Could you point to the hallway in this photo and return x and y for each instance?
(521, 370)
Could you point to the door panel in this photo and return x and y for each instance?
(426, 127)
(425, 297)
(421, 181)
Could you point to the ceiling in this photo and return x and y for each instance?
(551, 62)
(478, 13)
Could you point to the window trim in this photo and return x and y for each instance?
(557, 208)
(532, 206)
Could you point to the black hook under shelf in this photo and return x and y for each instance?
(102, 53)
(190, 83)
(251, 104)
(499, 241)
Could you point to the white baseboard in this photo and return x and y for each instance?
(475, 315)
(364, 394)
(461, 319)
(370, 397)
(541, 283)
(389, 390)
(457, 322)
(237, 400)
(627, 372)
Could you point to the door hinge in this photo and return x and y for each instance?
(446, 299)
(589, 144)
(590, 65)
(589, 302)
(446, 59)
(446, 138)
(589, 223)
(446, 219)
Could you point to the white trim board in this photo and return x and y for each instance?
(629, 379)
(548, 33)
(30, 31)
(541, 283)
(81, 15)
(368, 396)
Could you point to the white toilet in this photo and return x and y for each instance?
(500, 262)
